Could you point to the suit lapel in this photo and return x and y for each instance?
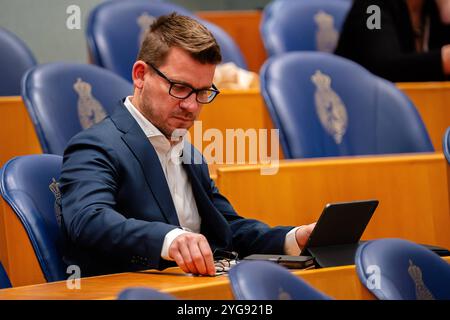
(146, 155)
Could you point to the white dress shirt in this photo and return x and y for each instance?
(180, 186)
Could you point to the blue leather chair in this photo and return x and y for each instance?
(396, 269)
(15, 60)
(115, 29)
(264, 280)
(64, 98)
(4, 280)
(325, 105)
(141, 293)
(446, 144)
(24, 185)
(302, 25)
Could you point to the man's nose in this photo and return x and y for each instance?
(190, 103)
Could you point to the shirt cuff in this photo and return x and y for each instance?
(290, 244)
(168, 239)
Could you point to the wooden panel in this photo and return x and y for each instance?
(232, 109)
(17, 254)
(432, 100)
(413, 191)
(243, 27)
(17, 135)
(345, 283)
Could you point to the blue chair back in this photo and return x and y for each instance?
(24, 185)
(264, 280)
(446, 144)
(325, 105)
(302, 25)
(65, 98)
(15, 60)
(141, 293)
(396, 269)
(116, 28)
(4, 280)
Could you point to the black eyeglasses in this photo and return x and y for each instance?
(183, 91)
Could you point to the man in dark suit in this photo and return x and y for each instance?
(128, 202)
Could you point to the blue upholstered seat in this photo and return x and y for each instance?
(264, 280)
(396, 269)
(64, 98)
(325, 105)
(4, 279)
(141, 293)
(15, 59)
(302, 25)
(24, 185)
(116, 28)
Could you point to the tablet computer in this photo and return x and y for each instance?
(290, 262)
(340, 224)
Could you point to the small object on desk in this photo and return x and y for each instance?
(224, 265)
(290, 262)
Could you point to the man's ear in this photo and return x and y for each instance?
(140, 68)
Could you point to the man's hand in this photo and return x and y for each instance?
(192, 253)
(302, 234)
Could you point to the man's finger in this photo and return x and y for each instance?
(197, 257)
(208, 256)
(180, 261)
(186, 254)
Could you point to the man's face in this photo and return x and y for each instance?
(168, 113)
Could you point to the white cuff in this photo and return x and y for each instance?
(168, 239)
(290, 244)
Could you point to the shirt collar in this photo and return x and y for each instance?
(158, 140)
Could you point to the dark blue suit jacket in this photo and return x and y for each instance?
(117, 207)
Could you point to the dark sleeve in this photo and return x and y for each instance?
(89, 184)
(387, 52)
(249, 235)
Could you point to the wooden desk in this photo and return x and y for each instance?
(432, 100)
(339, 282)
(17, 135)
(413, 191)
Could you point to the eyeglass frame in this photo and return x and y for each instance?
(193, 90)
(225, 255)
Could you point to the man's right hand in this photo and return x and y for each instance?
(192, 253)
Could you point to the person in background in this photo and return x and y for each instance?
(412, 44)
